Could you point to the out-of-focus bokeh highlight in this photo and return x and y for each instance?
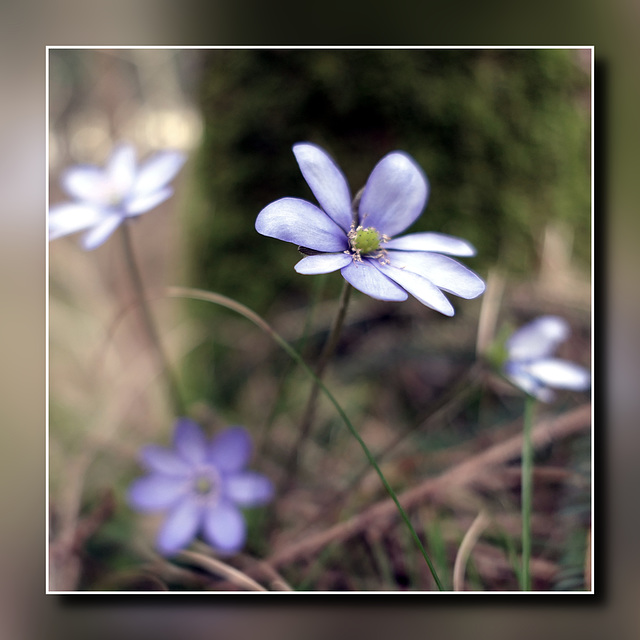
(25, 611)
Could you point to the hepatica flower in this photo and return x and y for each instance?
(103, 198)
(530, 364)
(201, 485)
(363, 243)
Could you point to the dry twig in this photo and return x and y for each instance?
(463, 474)
(468, 542)
(217, 567)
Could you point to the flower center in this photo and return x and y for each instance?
(204, 484)
(115, 199)
(111, 195)
(366, 240)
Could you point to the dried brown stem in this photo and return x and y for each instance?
(468, 542)
(463, 474)
(219, 568)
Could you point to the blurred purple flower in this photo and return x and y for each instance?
(364, 246)
(201, 485)
(103, 198)
(529, 364)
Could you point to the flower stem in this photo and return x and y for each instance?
(527, 492)
(300, 346)
(174, 395)
(310, 409)
(216, 298)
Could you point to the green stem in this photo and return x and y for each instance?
(175, 397)
(323, 361)
(300, 346)
(216, 298)
(467, 384)
(527, 492)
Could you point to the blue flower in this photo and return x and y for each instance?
(362, 244)
(529, 364)
(201, 485)
(103, 198)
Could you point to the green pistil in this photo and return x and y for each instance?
(366, 240)
(203, 485)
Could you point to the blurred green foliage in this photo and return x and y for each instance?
(503, 136)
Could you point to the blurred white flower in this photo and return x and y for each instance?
(529, 364)
(104, 197)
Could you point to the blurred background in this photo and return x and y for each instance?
(504, 136)
(26, 613)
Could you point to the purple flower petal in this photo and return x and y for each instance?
(224, 527)
(249, 488)
(86, 183)
(444, 272)
(529, 365)
(157, 491)
(189, 441)
(521, 378)
(164, 461)
(323, 263)
(157, 172)
(436, 242)
(174, 485)
(419, 287)
(366, 278)
(230, 450)
(94, 238)
(327, 182)
(144, 202)
(560, 374)
(70, 217)
(538, 339)
(300, 222)
(395, 194)
(181, 526)
(121, 169)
